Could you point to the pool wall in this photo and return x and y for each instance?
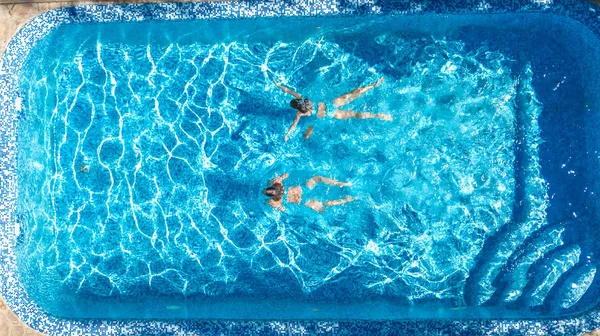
(10, 104)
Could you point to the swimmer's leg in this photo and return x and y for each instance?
(316, 179)
(315, 205)
(318, 206)
(348, 199)
(343, 115)
(348, 97)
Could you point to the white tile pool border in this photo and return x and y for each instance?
(10, 66)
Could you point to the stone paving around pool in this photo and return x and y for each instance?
(12, 17)
(10, 325)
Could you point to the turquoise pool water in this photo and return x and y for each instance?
(144, 148)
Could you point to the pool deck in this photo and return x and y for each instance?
(10, 325)
(13, 15)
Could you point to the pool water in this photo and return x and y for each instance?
(144, 149)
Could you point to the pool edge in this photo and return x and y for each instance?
(41, 25)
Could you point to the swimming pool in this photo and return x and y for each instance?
(143, 148)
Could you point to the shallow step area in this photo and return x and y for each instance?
(547, 275)
(532, 264)
(531, 199)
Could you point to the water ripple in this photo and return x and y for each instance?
(145, 165)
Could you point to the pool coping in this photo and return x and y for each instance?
(40, 26)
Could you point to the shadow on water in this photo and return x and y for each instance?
(260, 106)
(257, 110)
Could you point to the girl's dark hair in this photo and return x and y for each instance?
(275, 191)
(300, 104)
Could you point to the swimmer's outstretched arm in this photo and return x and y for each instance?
(276, 205)
(286, 90)
(316, 179)
(279, 179)
(348, 97)
(343, 115)
(298, 116)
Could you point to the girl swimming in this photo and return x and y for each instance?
(276, 190)
(305, 107)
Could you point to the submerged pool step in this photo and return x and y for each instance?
(574, 283)
(545, 274)
(481, 284)
(513, 277)
(529, 211)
